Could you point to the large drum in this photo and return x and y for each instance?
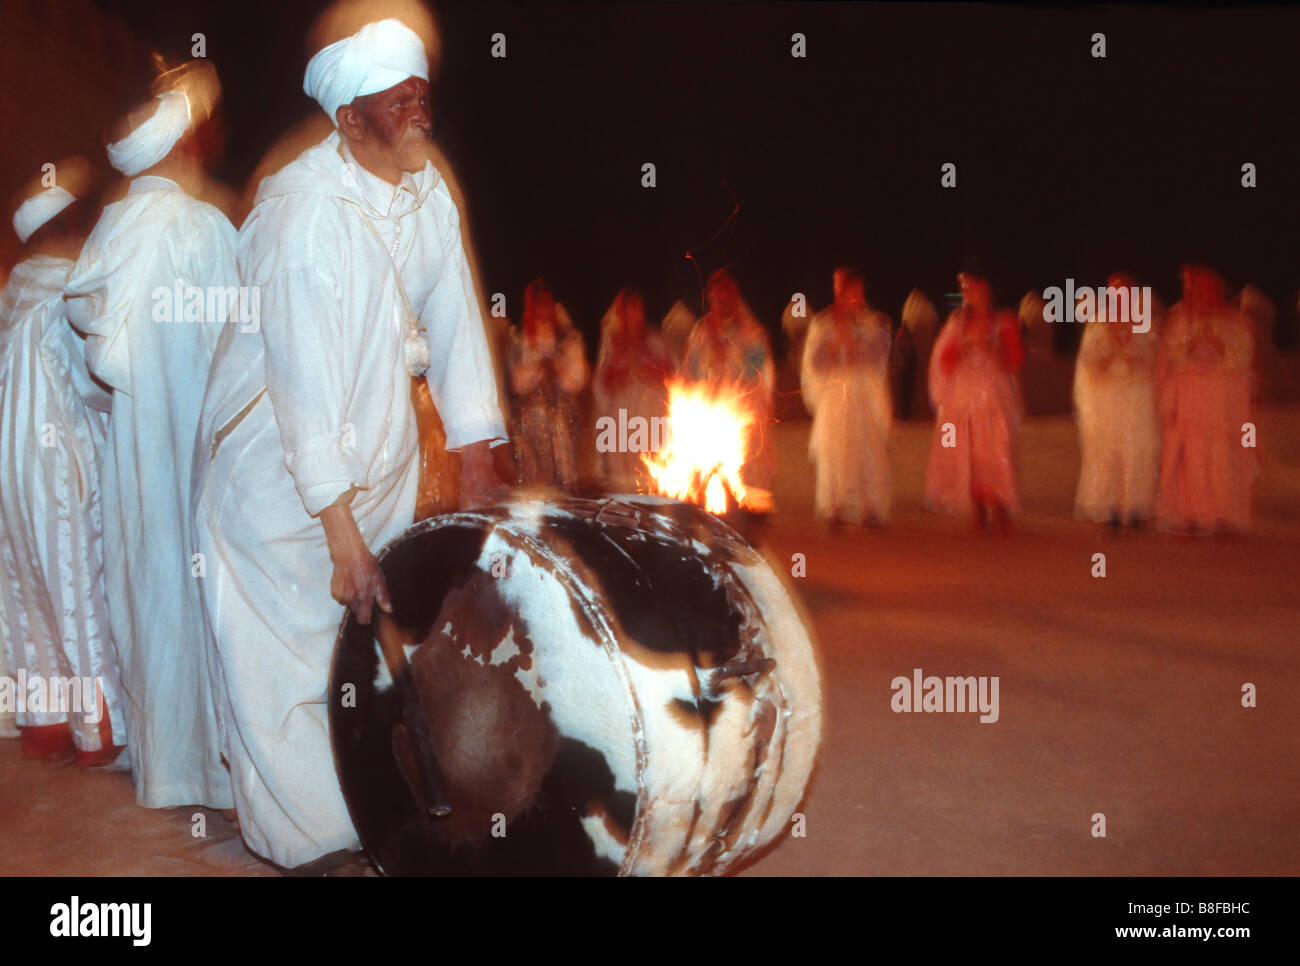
(614, 686)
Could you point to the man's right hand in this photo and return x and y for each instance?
(357, 581)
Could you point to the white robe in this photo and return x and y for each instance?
(8, 717)
(53, 612)
(852, 411)
(142, 246)
(1119, 434)
(331, 410)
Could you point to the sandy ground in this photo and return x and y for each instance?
(1119, 695)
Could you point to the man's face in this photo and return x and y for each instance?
(396, 124)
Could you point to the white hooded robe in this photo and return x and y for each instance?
(124, 282)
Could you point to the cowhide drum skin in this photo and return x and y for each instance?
(612, 686)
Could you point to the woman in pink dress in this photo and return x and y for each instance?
(1204, 377)
(975, 390)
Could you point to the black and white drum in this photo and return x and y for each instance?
(613, 686)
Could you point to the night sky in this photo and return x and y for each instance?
(1067, 165)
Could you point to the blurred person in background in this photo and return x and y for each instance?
(1115, 410)
(729, 350)
(547, 371)
(845, 377)
(1204, 381)
(978, 410)
(909, 358)
(632, 370)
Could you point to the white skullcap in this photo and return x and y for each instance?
(38, 209)
(153, 140)
(378, 56)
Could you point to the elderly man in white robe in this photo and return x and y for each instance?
(53, 613)
(846, 387)
(307, 460)
(153, 349)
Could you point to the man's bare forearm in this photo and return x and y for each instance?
(357, 581)
(341, 532)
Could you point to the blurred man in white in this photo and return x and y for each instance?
(846, 387)
(154, 355)
(53, 612)
(307, 458)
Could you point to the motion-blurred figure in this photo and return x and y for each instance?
(1048, 368)
(143, 292)
(846, 387)
(729, 349)
(976, 395)
(547, 372)
(632, 369)
(1204, 383)
(909, 361)
(1035, 330)
(1270, 373)
(676, 329)
(53, 612)
(1115, 408)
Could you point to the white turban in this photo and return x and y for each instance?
(38, 209)
(153, 140)
(378, 56)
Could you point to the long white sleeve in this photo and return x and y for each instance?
(461, 376)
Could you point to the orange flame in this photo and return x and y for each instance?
(700, 462)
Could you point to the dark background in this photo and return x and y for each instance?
(1067, 166)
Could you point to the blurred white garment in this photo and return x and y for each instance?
(53, 613)
(1119, 433)
(846, 387)
(155, 238)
